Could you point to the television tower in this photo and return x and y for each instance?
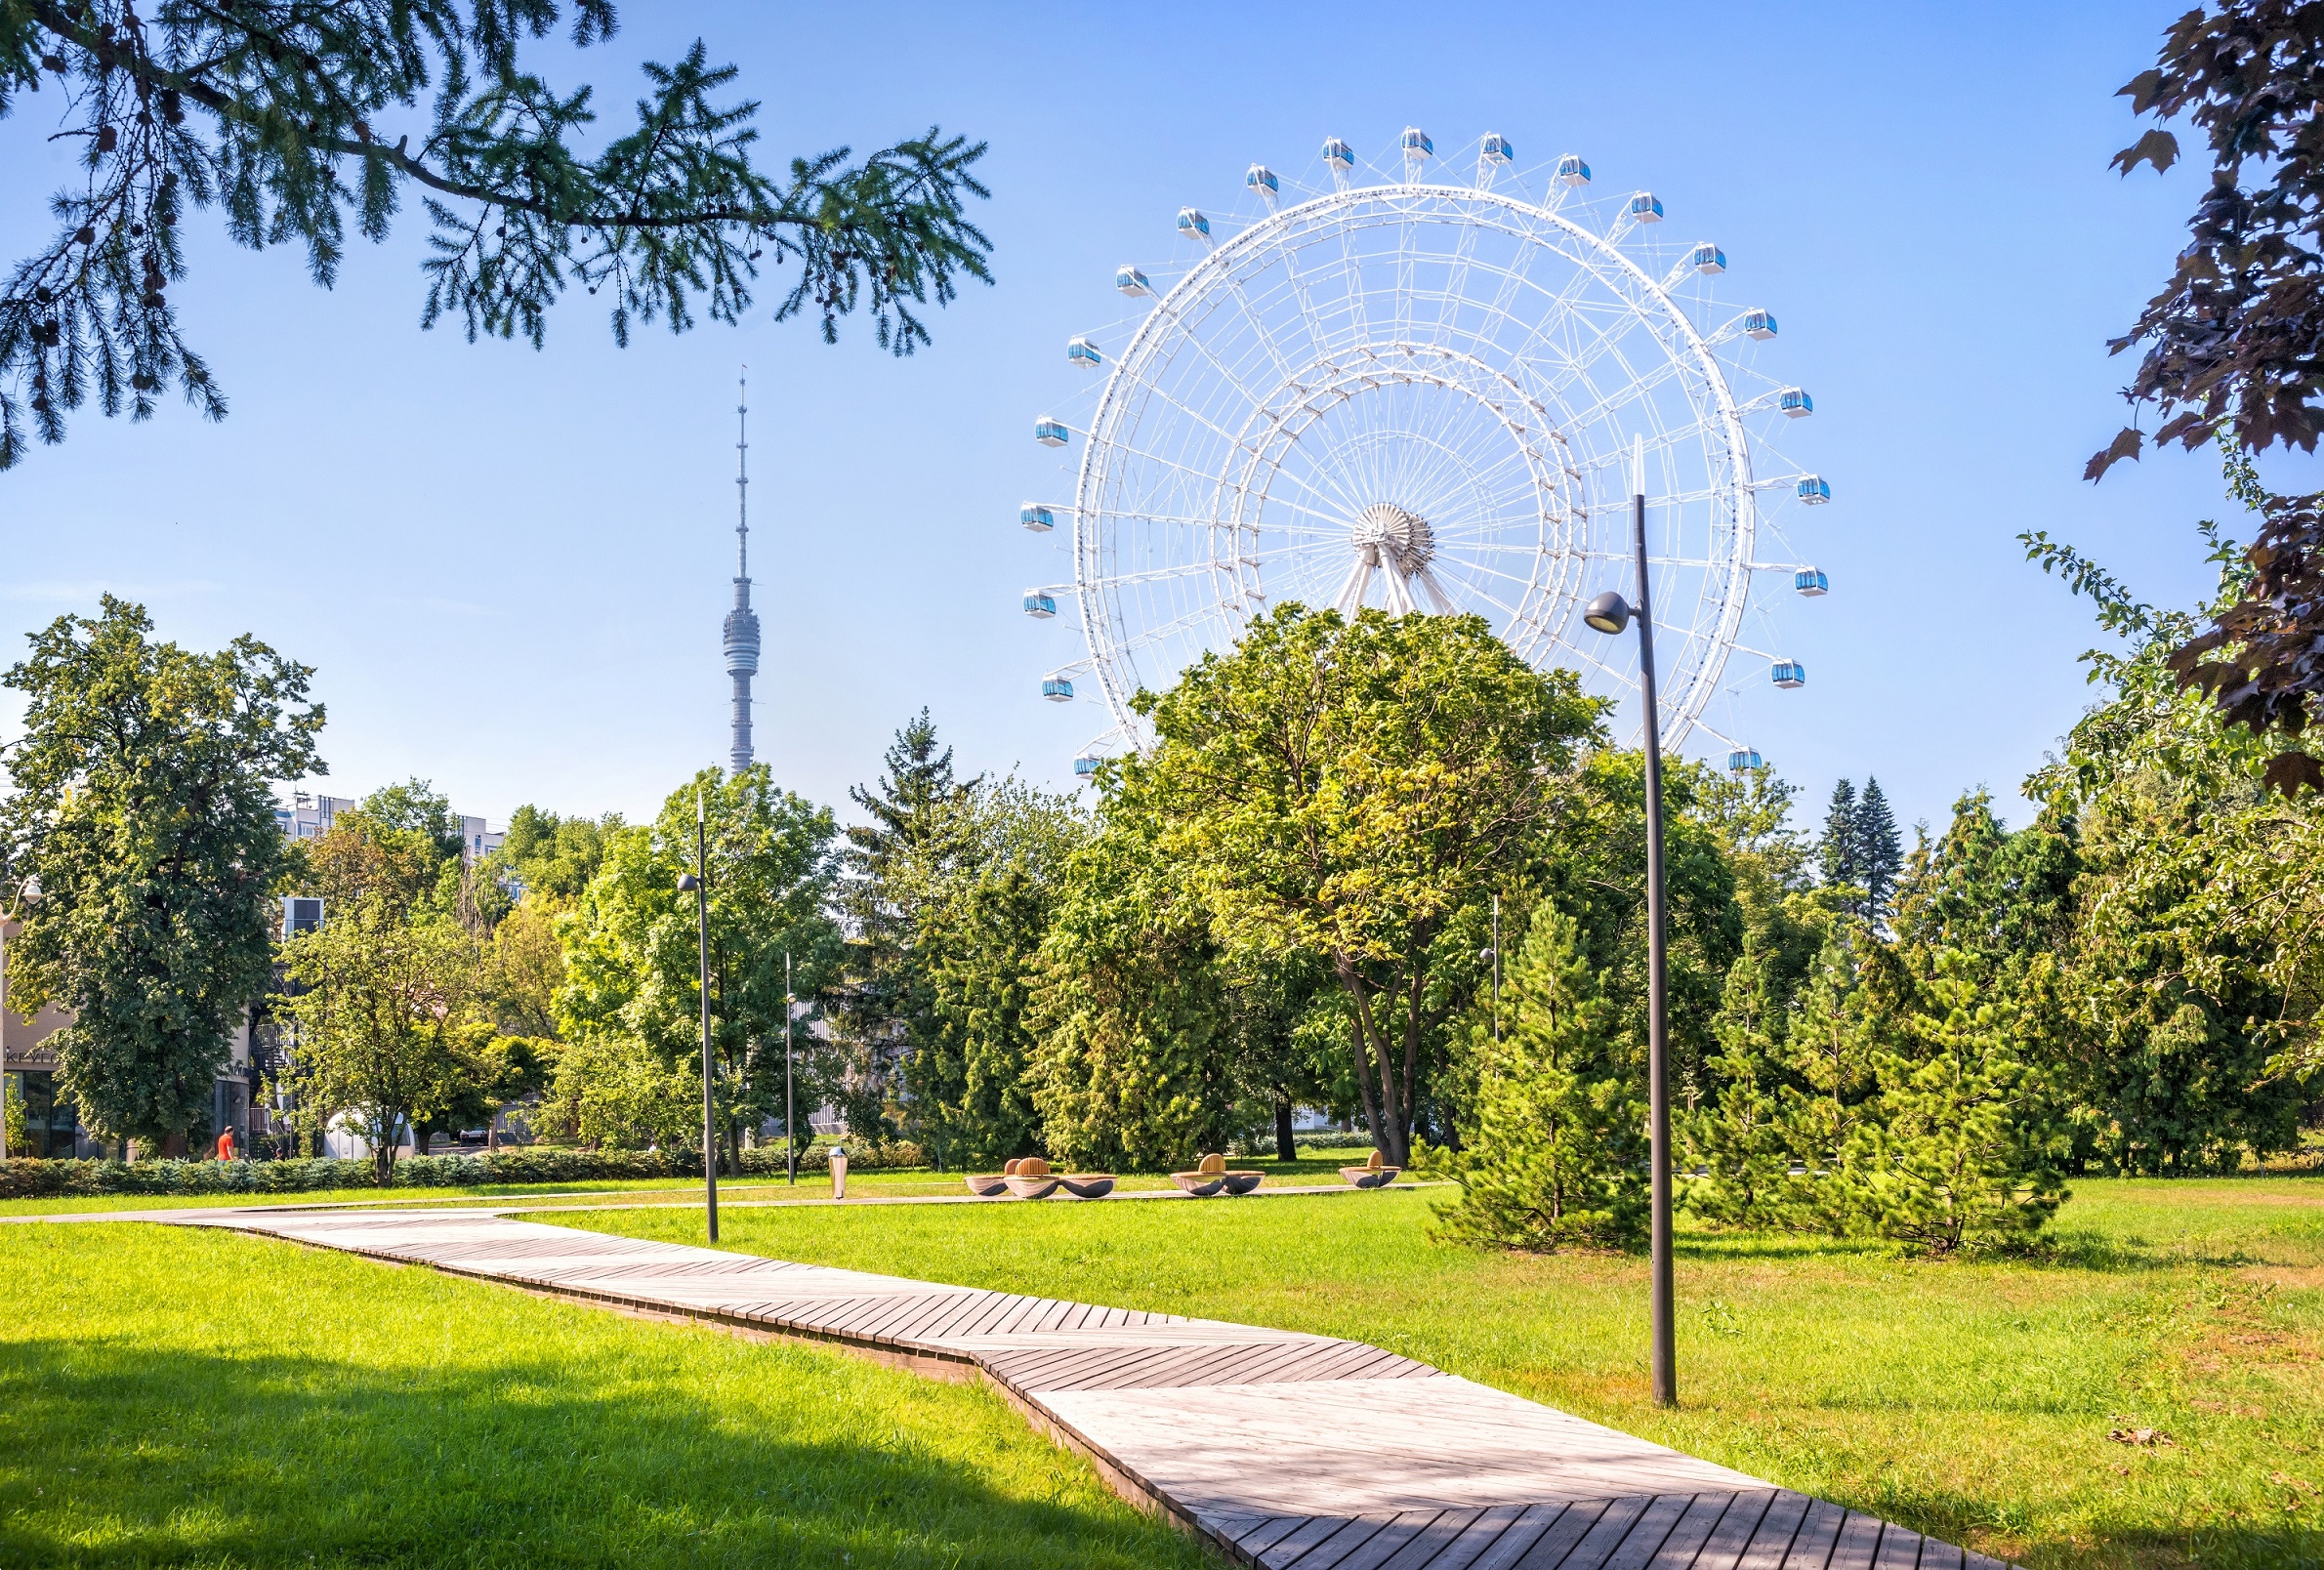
(742, 622)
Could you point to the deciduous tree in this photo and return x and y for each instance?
(1346, 789)
(144, 804)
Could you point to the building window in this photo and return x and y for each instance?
(48, 1125)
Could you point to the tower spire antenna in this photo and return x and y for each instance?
(742, 622)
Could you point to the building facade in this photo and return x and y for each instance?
(50, 1126)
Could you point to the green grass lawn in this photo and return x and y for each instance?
(182, 1398)
(1973, 1400)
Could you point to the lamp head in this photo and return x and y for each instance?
(1609, 612)
(687, 883)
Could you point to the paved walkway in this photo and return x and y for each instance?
(1283, 1450)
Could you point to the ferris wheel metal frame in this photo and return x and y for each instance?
(1358, 520)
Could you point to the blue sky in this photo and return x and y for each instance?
(509, 567)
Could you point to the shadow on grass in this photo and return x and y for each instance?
(1965, 1519)
(120, 1455)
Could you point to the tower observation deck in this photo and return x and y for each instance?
(742, 622)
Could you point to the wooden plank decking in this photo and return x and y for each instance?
(1285, 1451)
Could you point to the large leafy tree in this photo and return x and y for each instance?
(144, 804)
(632, 996)
(390, 1003)
(298, 120)
(1134, 1068)
(1348, 790)
(2234, 342)
(978, 923)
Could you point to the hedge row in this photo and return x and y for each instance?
(532, 1164)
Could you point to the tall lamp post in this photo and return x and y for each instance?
(696, 883)
(1609, 613)
(790, 1111)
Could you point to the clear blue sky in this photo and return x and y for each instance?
(509, 567)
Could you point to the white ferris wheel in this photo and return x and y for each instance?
(1419, 388)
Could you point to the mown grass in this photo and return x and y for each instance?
(1973, 1400)
(181, 1397)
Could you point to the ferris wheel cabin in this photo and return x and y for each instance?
(1050, 432)
(1056, 689)
(1033, 515)
(1131, 281)
(1645, 208)
(1811, 583)
(1813, 491)
(1708, 258)
(1417, 144)
(1084, 353)
(1086, 765)
(1572, 169)
(1261, 180)
(1795, 404)
(1193, 224)
(1339, 156)
(1759, 324)
(1743, 760)
(1038, 605)
(1789, 674)
(1497, 149)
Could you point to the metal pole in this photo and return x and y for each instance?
(4, 1042)
(1666, 1354)
(1496, 967)
(790, 1110)
(702, 927)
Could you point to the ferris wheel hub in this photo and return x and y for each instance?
(1387, 536)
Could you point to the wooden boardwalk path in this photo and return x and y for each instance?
(1283, 1450)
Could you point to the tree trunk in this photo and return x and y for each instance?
(1286, 1147)
(1363, 1080)
(1392, 1132)
(173, 1145)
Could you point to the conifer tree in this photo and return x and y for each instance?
(1830, 1056)
(1836, 852)
(1737, 1145)
(1965, 1148)
(892, 864)
(1878, 853)
(1558, 1155)
(298, 120)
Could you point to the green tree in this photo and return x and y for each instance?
(1558, 1152)
(144, 804)
(550, 857)
(1965, 1147)
(1345, 790)
(381, 1003)
(1837, 853)
(891, 867)
(978, 931)
(1134, 1070)
(295, 120)
(631, 993)
(1879, 852)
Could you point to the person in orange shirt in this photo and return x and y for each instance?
(226, 1145)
